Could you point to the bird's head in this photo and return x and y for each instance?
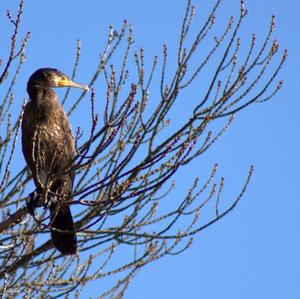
(48, 77)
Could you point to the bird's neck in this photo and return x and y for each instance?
(45, 100)
(41, 94)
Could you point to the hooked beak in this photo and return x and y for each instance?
(69, 83)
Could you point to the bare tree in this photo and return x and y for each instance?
(124, 199)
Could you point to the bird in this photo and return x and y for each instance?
(49, 151)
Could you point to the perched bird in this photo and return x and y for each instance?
(49, 150)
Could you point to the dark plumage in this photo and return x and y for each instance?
(49, 150)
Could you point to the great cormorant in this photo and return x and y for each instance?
(49, 150)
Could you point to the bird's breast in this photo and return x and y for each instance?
(47, 141)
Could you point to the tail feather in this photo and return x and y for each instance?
(61, 219)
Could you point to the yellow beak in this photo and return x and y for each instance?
(69, 83)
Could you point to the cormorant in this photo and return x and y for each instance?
(49, 150)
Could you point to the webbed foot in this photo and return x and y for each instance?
(32, 201)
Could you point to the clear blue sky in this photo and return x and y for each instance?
(254, 252)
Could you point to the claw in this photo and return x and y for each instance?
(32, 201)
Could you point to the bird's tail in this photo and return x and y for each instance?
(61, 219)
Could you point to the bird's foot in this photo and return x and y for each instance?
(32, 201)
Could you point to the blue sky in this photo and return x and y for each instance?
(253, 252)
